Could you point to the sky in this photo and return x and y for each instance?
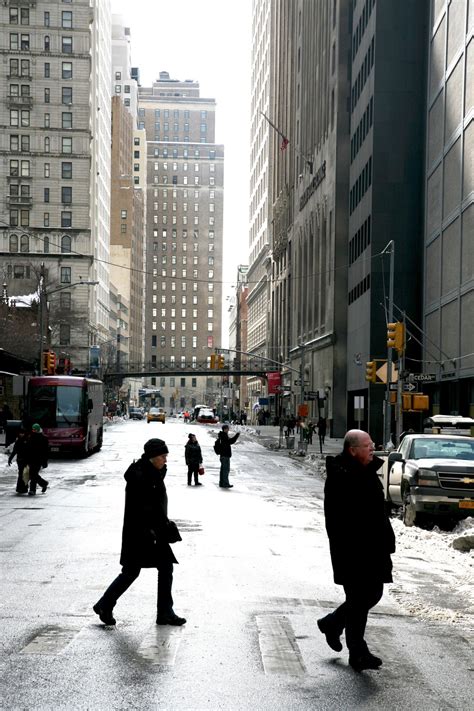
(208, 41)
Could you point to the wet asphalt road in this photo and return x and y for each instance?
(253, 578)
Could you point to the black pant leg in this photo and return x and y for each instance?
(121, 583)
(35, 478)
(164, 601)
(360, 598)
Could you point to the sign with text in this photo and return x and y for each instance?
(274, 383)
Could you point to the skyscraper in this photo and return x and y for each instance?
(184, 237)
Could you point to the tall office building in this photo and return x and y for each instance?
(387, 102)
(55, 172)
(258, 299)
(309, 205)
(448, 294)
(184, 238)
(128, 200)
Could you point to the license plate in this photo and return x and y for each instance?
(466, 504)
(55, 449)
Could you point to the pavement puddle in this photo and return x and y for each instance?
(278, 646)
(52, 640)
(160, 645)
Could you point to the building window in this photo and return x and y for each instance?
(46, 19)
(64, 334)
(47, 120)
(47, 170)
(65, 300)
(66, 19)
(65, 244)
(47, 144)
(66, 170)
(66, 144)
(66, 119)
(47, 43)
(66, 45)
(46, 224)
(13, 243)
(65, 275)
(66, 195)
(66, 70)
(66, 219)
(46, 195)
(66, 95)
(47, 70)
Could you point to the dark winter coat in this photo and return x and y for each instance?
(226, 441)
(192, 454)
(361, 537)
(145, 522)
(37, 450)
(19, 449)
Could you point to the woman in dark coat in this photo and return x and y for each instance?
(361, 540)
(19, 450)
(36, 455)
(147, 533)
(193, 457)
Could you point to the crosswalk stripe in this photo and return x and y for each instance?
(160, 645)
(278, 646)
(51, 640)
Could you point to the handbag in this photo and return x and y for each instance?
(201, 470)
(25, 475)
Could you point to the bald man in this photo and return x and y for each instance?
(361, 540)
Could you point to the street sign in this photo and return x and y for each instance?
(410, 387)
(313, 393)
(422, 377)
(311, 396)
(393, 386)
(382, 373)
(298, 382)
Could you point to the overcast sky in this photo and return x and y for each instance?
(209, 41)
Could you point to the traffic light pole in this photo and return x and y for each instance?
(388, 407)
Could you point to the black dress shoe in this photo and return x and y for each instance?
(170, 619)
(198, 483)
(364, 661)
(105, 615)
(332, 638)
(44, 487)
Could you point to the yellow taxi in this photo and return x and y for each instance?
(156, 414)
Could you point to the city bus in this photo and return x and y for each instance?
(69, 410)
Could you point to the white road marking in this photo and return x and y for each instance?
(51, 640)
(160, 645)
(278, 646)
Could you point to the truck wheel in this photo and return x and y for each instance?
(409, 514)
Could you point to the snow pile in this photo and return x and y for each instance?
(433, 580)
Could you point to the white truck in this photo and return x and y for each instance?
(431, 476)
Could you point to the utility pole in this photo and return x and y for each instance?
(388, 407)
(301, 385)
(40, 308)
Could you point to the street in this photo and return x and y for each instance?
(254, 576)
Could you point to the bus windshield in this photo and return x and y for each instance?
(56, 406)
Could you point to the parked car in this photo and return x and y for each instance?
(206, 416)
(136, 413)
(156, 414)
(432, 476)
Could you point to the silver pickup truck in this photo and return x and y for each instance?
(431, 475)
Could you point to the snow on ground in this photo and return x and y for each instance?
(432, 580)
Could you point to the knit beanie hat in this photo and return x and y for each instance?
(155, 447)
(36, 428)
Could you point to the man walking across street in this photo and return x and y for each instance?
(361, 540)
(36, 456)
(225, 455)
(147, 533)
(19, 450)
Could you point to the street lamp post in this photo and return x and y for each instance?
(43, 294)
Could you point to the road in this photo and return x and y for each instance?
(253, 578)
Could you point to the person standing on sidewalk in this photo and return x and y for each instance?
(146, 537)
(36, 456)
(361, 540)
(225, 455)
(193, 458)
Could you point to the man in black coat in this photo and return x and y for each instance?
(361, 540)
(147, 533)
(225, 455)
(36, 456)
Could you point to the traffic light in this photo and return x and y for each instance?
(49, 362)
(220, 362)
(396, 336)
(371, 371)
(213, 361)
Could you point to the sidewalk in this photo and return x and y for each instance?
(270, 437)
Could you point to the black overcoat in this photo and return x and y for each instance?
(37, 450)
(192, 454)
(361, 537)
(226, 441)
(144, 536)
